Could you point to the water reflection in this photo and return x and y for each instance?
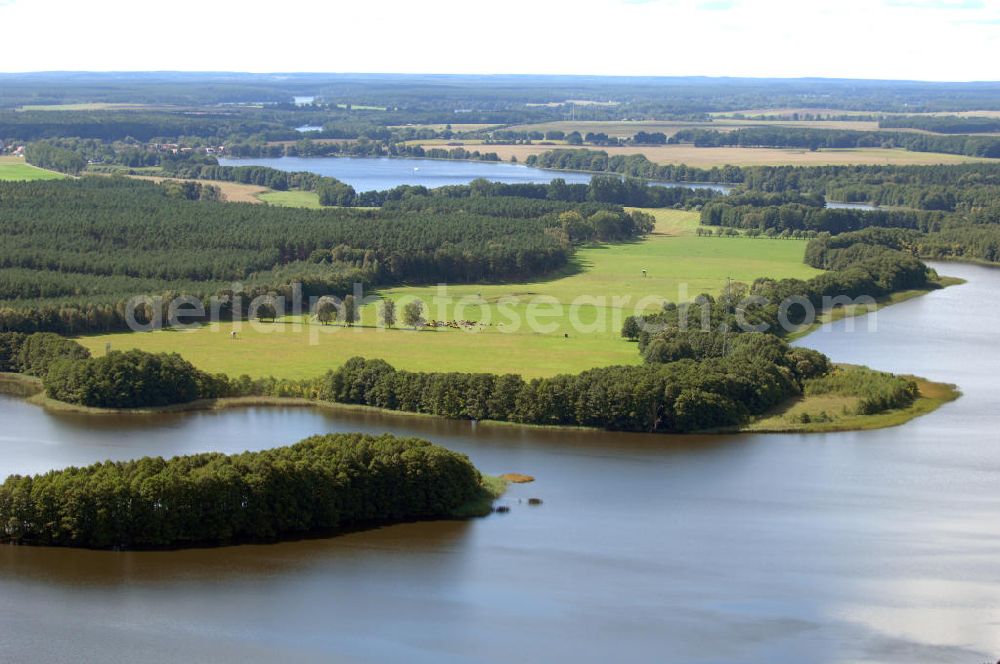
(877, 546)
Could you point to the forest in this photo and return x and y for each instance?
(952, 211)
(956, 187)
(815, 139)
(941, 124)
(498, 96)
(320, 485)
(62, 268)
(748, 212)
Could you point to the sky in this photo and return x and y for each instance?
(935, 40)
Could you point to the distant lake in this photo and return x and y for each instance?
(379, 173)
(850, 206)
(308, 128)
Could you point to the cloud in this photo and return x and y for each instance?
(717, 5)
(937, 4)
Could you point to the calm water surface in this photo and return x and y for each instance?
(850, 206)
(878, 546)
(380, 173)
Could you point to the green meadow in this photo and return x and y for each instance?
(14, 168)
(566, 323)
(292, 198)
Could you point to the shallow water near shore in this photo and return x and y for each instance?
(877, 546)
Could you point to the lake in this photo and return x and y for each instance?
(850, 206)
(878, 546)
(380, 173)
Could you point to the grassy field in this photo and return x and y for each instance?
(831, 412)
(565, 338)
(735, 156)
(295, 198)
(14, 168)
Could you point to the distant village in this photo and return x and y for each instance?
(176, 148)
(11, 149)
(17, 149)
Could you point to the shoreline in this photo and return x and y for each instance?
(932, 396)
(697, 184)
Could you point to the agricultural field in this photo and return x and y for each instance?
(788, 112)
(455, 127)
(93, 106)
(763, 112)
(14, 168)
(565, 337)
(628, 128)
(293, 198)
(234, 192)
(617, 129)
(735, 156)
(362, 107)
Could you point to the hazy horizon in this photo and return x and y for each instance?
(720, 77)
(898, 40)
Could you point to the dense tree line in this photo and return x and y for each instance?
(649, 138)
(976, 242)
(613, 191)
(958, 214)
(322, 484)
(45, 155)
(681, 396)
(633, 165)
(34, 354)
(112, 125)
(941, 124)
(961, 187)
(601, 189)
(814, 139)
(805, 215)
(962, 242)
(130, 379)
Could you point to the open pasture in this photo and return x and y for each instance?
(567, 323)
(14, 168)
